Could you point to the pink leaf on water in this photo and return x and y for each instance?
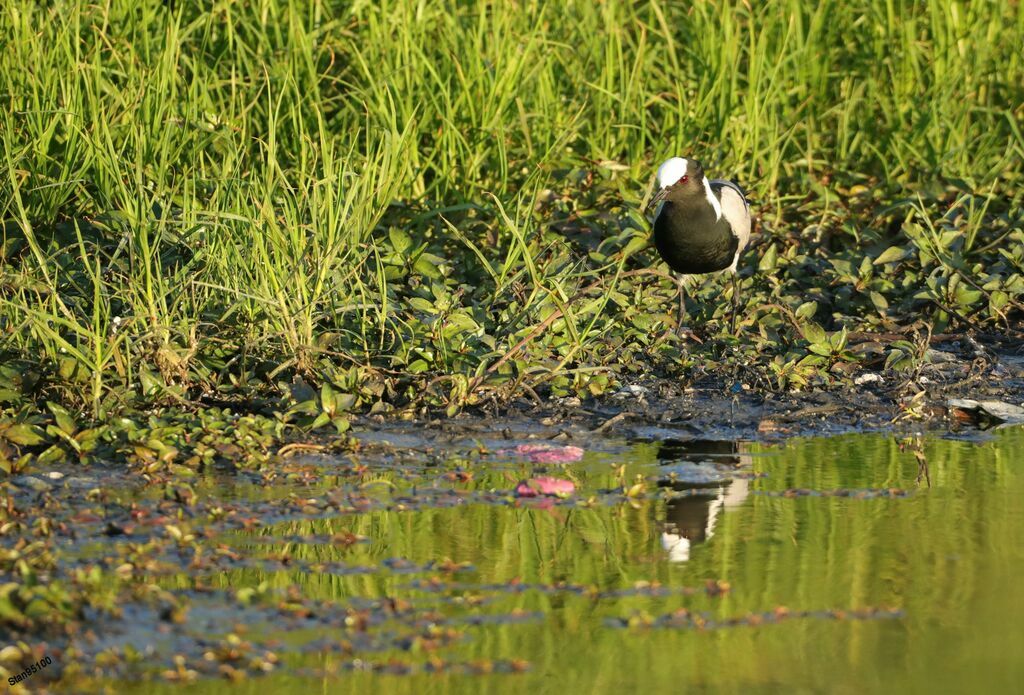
(546, 453)
(545, 485)
(554, 486)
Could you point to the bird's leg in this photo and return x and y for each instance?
(681, 283)
(735, 302)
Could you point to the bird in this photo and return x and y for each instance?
(693, 518)
(700, 226)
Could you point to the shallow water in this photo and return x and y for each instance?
(836, 567)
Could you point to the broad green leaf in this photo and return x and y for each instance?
(637, 243)
(891, 255)
(63, 418)
(814, 333)
(806, 310)
(25, 435)
(401, 242)
(428, 266)
(769, 260)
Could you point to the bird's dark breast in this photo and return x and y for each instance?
(694, 246)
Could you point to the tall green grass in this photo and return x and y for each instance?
(209, 200)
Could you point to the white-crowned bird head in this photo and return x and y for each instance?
(680, 178)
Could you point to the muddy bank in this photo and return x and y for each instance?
(728, 401)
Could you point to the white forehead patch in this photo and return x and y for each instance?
(671, 171)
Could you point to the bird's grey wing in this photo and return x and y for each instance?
(735, 210)
(718, 185)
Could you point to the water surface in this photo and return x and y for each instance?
(836, 565)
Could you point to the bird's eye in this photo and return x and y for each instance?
(684, 179)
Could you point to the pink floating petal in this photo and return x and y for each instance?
(546, 453)
(544, 485)
(554, 486)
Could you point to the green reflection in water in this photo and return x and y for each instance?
(951, 556)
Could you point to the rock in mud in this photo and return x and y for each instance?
(31, 482)
(983, 413)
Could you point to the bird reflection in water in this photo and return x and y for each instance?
(691, 519)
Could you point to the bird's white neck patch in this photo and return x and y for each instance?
(671, 171)
(712, 199)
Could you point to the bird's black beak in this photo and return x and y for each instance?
(657, 198)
